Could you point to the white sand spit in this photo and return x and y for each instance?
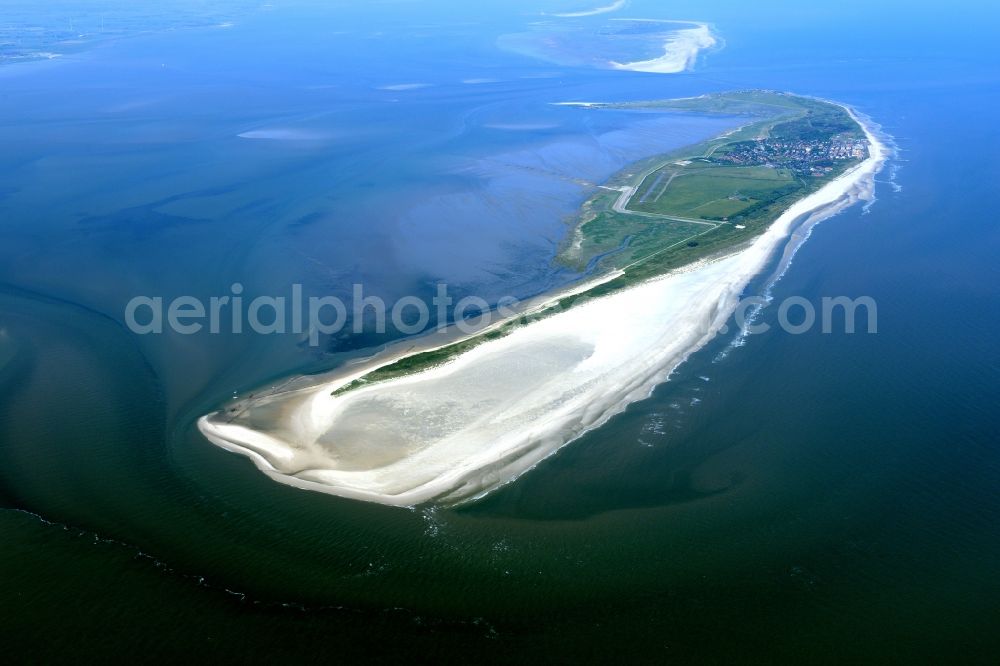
(680, 51)
(457, 431)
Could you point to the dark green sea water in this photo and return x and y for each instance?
(810, 498)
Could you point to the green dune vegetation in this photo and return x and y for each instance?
(701, 200)
(677, 208)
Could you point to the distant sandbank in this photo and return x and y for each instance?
(680, 51)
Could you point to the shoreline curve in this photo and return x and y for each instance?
(455, 432)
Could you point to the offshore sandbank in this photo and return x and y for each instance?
(680, 50)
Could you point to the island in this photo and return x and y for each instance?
(665, 249)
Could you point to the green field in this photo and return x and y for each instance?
(628, 237)
(684, 206)
(688, 204)
(710, 192)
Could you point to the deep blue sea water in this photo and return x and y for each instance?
(797, 498)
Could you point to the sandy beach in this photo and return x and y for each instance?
(457, 431)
